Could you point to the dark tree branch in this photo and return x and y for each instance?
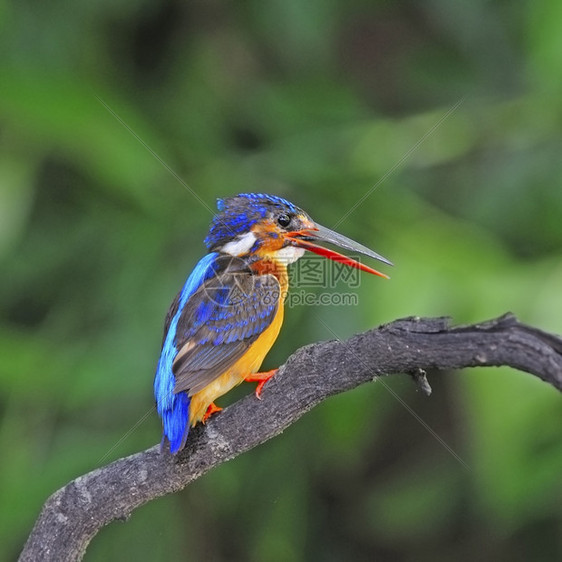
(73, 515)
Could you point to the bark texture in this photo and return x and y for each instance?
(73, 515)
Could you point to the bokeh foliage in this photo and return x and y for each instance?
(113, 114)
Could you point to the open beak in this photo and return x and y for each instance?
(306, 238)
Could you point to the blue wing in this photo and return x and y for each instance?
(219, 322)
(174, 408)
(221, 310)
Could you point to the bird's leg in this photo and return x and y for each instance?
(211, 409)
(262, 378)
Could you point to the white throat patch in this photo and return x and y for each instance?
(240, 245)
(289, 254)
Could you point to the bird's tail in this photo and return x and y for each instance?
(175, 421)
(172, 408)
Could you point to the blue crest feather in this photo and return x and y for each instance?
(238, 214)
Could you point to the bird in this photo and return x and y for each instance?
(229, 312)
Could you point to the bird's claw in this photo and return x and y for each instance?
(211, 409)
(260, 378)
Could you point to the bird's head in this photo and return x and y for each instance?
(264, 226)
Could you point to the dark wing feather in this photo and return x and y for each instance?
(219, 323)
(170, 314)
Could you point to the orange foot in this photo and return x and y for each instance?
(262, 378)
(212, 408)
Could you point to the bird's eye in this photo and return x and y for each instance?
(283, 220)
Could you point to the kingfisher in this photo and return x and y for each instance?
(229, 312)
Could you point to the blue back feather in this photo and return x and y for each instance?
(174, 408)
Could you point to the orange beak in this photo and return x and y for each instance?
(304, 239)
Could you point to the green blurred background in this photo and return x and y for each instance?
(452, 109)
